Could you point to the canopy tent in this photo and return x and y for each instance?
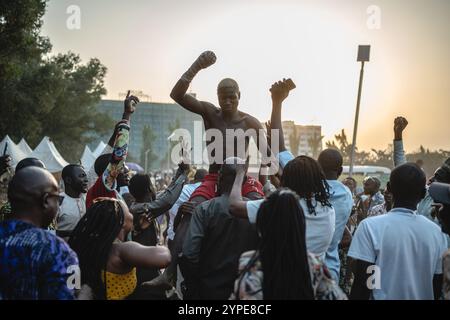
(23, 145)
(88, 158)
(98, 151)
(12, 150)
(47, 152)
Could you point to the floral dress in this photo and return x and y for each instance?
(249, 284)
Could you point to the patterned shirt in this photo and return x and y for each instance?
(105, 185)
(34, 263)
(249, 284)
(377, 210)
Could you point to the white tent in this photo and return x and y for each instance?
(12, 149)
(47, 152)
(98, 151)
(23, 145)
(88, 158)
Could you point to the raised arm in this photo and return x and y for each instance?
(120, 149)
(280, 91)
(238, 207)
(167, 199)
(91, 174)
(137, 255)
(269, 165)
(179, 92)
(400, 123)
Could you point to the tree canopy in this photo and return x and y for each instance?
(43, 94)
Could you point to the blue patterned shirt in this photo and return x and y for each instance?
(33, 263)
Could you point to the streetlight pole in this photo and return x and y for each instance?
(363, 56)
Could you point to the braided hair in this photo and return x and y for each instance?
(284, 257)
(305, 176)
(92, 240)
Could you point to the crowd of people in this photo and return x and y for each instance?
(305, 232)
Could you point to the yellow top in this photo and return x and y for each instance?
(120, 286)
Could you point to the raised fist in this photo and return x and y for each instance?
(206, 59)
(130, 103)
(280, 90)
(400, 124)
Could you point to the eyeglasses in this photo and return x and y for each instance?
(60, 198)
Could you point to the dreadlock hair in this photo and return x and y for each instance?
(305, 176)
(284, 257)
(92, 240)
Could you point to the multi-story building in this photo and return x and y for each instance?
(159, 117)
(308, 138)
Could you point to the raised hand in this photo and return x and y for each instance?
(130, 103)
(269, 132)
(185, 152)
(205, 60)
(280, 90)
(184, 167)
(400, 123)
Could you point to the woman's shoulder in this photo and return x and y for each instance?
(118, 254)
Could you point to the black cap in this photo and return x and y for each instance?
(440, 192)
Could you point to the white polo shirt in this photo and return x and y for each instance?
(70, 212)
(408, 250)
(319, 226)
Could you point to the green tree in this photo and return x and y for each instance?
(315, 143)
(382, 158)
(42, 94)
(148, 137)
(341, 143)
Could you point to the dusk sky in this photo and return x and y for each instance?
(148, 44)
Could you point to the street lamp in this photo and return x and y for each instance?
(363, 56)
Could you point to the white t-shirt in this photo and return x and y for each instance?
(319, 226)
(70, 212)
(186, 192)
(408, 250)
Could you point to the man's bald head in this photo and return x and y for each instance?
(228, 83)
(228, 95)
(29, 191)
(29, 162)
(331, 162)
